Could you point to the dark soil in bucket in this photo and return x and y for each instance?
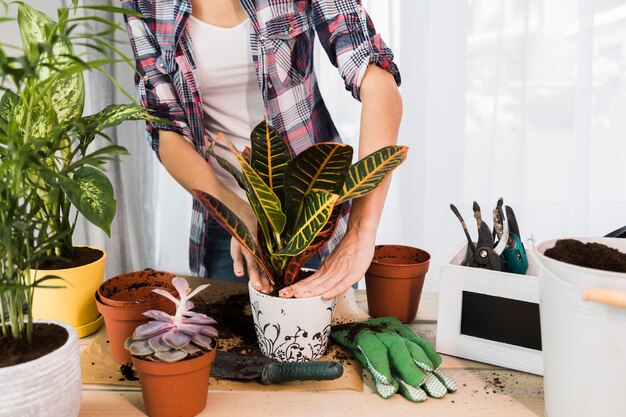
(588, 255)
(82, 256)
(47, 338)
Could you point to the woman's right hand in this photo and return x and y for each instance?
(243, 259)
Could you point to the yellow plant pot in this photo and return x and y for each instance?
(74, 304)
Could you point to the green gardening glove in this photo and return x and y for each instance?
(396, 358)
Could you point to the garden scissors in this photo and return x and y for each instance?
(505, 254)
(481, 254)
(514, 254)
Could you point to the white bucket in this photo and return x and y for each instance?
(584, 341)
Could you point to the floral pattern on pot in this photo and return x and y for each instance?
(292, 330)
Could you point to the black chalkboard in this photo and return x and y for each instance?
(501, 319)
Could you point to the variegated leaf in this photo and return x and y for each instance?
(233, 225)
(93, 198)
(36, 28)
(111, 116)
(317, 208)
(322, 167)
(269, 156)
(264, 202)
(295, 263)
(370, 171)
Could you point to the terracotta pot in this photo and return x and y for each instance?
(394, 281)
(73, 303)
(175, 389)
(135, 288)
(120, 323)
(291, 329)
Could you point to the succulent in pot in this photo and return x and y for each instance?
(168, 338)
(297, 202)
(173, 355)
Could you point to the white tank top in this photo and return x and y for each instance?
(231, 98)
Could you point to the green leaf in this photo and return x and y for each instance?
(321, 167)
(317, 208)
(370, 171)
(264, 202)
(233, 225)
(269, 157)
(89, 126)
(94, 198)
(295, 263)
(230, 168)
(37, 29)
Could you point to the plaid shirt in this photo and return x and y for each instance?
(281, 39)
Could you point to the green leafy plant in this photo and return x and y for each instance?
(297, 201)
(46, 166)
(46, 98)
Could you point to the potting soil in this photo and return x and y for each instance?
(588, 255)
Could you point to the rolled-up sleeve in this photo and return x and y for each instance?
(348, 36)
(152, 79)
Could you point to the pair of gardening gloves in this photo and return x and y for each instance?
(396, 357)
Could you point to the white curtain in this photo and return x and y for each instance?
(524, 99)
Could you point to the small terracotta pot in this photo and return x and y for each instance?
(394, 281)
(135, 288)
(120, 323)
(175, 389)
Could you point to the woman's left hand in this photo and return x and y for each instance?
(344, 267)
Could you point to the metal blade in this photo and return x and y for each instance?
(484, 233)
(230, 365)
(510, 218)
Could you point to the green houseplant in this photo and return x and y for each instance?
(44, 97)
(173, 355)
(297, 203)
(46, 169)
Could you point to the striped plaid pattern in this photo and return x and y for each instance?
(281, 39)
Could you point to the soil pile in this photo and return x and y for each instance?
(588, 255)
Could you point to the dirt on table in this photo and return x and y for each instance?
(588, 255)
(46, 338)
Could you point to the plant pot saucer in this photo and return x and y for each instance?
(91, 327)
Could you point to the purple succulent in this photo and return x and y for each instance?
(173, 338)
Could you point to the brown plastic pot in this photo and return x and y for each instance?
(120, 323)
(135, 288)
(175, 389)
(394, 281)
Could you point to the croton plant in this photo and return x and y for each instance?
(297, 200)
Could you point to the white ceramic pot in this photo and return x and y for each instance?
(47, 386)
(291, 329)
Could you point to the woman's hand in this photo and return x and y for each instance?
(243, 259)
(344, 267)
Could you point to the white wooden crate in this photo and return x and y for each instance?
(478, 307)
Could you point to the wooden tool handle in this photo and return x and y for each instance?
(612, 297)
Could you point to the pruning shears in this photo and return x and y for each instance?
(500, 249)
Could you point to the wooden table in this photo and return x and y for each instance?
(483, 391)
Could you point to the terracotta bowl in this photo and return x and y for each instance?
(134, 289)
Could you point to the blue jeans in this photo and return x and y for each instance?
(217, 259)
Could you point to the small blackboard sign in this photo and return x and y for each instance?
(500, 319)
